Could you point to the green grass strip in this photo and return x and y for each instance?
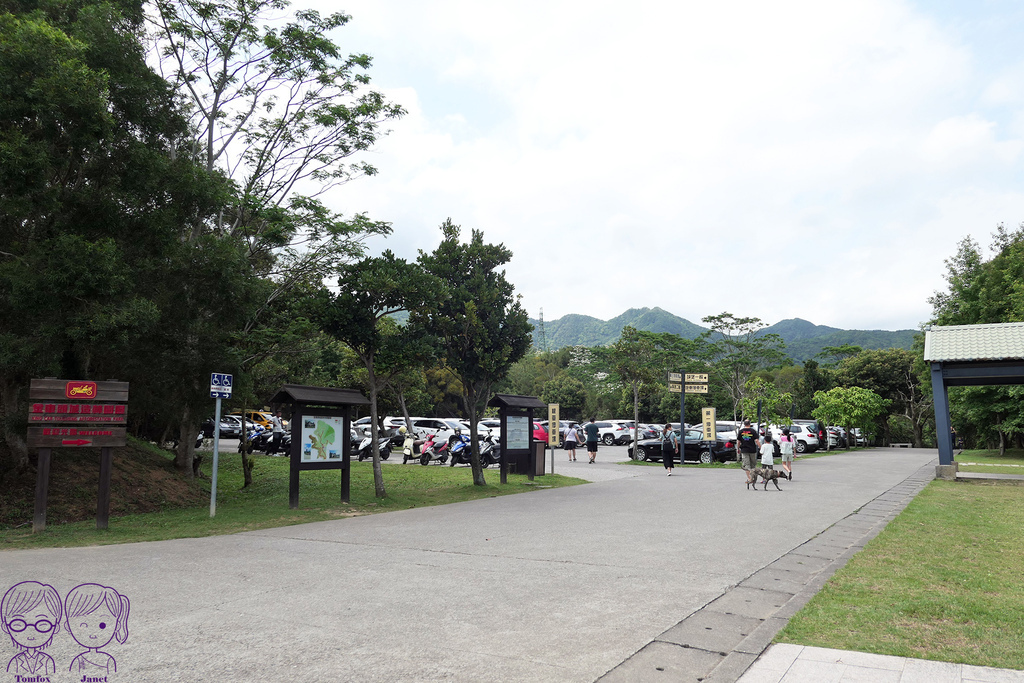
(264, 504)
(941, 582)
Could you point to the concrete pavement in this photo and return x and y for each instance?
(571, 584)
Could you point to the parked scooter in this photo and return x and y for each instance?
(408, 445)
(462, 452)
(490, 451)
(253, 438)
(434, 449)
(364, 450)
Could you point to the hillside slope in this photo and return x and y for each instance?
(803, 339)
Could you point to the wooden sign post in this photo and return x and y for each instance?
(76, 414)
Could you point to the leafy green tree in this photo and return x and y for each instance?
(568, 392)
(93, 194)
(633, 356)
(736, 349)
(483, 327)
(892, 374)
(774, 403)
(370, 291)
(849, 406)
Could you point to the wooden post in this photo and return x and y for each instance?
(103, 506)
(42, 485)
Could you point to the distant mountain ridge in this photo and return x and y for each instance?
(803, 339)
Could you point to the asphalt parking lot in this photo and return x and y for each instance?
(557, 585)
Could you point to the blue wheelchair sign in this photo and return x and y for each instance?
(220, 385)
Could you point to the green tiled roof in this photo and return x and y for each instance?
(997, 341)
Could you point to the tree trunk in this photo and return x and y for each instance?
(469, 403)
(16, 445)
(405, 411)
(378, 475)
(1002, 442)
(185, 452)
(243, 450)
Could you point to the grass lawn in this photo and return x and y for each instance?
(991, 462)
(265, 504)
(941, 582)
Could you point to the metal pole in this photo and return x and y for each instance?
(682, 406)
(216, 457)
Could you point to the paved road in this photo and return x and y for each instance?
(556, 585)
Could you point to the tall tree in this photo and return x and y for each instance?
(483, 327)
(737, 348)
(850, 407)
(633, 356)
(92, 195)
(370, 291)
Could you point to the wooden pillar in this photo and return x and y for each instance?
(103, 502)
(42, 486)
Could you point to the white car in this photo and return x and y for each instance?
(806, 439)
(444, 428)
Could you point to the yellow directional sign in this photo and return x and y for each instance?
(553, 425)
(696, 378)
(675, 388)
(675, 377)
(696, 388)
(708, 419)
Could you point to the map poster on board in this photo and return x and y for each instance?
(323, 438)
(517, 432)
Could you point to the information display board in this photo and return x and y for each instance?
(323, 438)
(517, 432)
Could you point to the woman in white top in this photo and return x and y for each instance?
(788, 444)
(570, 443)
(768, 451)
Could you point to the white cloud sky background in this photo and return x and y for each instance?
(777, 160)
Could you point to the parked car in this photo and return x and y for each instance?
(613, 432)
(695, 449)
(806, 439)
(444, 428)
(230, 427)
(260, 417)
(540, 432)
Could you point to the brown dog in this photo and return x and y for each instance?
(768, 475)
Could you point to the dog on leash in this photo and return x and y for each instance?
(768, 474)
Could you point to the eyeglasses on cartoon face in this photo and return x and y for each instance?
(19, 625)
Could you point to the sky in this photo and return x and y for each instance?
(792, 159)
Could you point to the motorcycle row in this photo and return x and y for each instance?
(453, 451)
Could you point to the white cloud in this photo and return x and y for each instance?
(780, 159)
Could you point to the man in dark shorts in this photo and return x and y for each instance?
(747, 444)
(593, 434)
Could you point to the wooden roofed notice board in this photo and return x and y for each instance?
(518, 450)
(76, 414)
(320, 421)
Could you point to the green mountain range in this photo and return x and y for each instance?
(803, 339)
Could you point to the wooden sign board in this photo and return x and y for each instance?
(76, 414)
(696, 378)
(675, 388)
(696, 388)
(98, 436)
(553, 426)
(708, 420)
(675, 377)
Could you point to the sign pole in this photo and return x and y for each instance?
(682, 412)
(216, 459)
(221, 386)
(103, 502)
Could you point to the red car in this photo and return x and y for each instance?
(540, 432)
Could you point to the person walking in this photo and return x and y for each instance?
(787, 444)
(570, 442)
(593, 433)
(277, 432)
(669, 447)
(768, 452)
(747, 444)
